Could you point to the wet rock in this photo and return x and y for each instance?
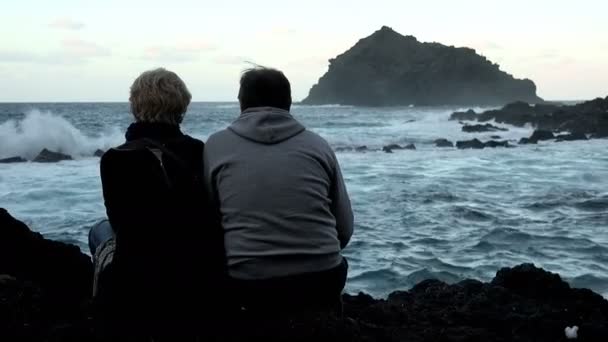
(344, 149)
(469, 115)
(587, 117)
(525, 141)
(410, 147)
(494, 144)
(496, 137)
(482, 128)
(540, 135)
(361, 148)
(475, 143)
(46, 156)
(12, 160)
(443, 143)
(391, 147)
(99, 153)
(571, 137)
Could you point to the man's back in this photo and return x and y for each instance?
(284, 206)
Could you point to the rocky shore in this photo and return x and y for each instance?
(45, 289)
(588, 119)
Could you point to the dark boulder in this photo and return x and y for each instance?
(475, 143)
(46, 156)
(496, 137)
(540, 135)
(389, 69)
(53, 278)
(481, 128)
(571, 137)
(12, 160)
(525, 141)
(361, 148)
(443, 143)
(494, 144)
(99, 153)
(344, 149)
(391, 147)
(469, 115)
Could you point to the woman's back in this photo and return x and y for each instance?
(168, 243)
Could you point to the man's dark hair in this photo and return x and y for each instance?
(264, 87)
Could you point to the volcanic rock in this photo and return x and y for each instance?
(475, 143)
(388, 69)
(12, 160)
(443, 143)
(46, 156)
(481, 128)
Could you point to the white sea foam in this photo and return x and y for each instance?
(39, 130)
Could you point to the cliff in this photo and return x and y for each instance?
(388, 69)
(45, 289)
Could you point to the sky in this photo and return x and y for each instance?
(92, 50)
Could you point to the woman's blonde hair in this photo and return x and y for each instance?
(159, 95)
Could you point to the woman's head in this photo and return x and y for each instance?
(159, 95)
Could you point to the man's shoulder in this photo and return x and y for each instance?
(218, 136)
(315, 140)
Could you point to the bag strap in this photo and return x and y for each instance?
(159, 149)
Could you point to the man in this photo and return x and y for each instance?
(285, 210)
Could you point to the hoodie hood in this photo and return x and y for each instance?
(266, 125)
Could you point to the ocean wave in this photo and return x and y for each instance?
(37, 130)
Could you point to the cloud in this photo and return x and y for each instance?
(182, 52)
(84, 49)
(233, 60)
(70, 52)
(66, 24)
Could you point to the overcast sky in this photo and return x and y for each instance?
(91, 50)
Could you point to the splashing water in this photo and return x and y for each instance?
(39, 130)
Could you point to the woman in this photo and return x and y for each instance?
(168, 245)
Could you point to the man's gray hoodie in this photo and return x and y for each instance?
(284, 205)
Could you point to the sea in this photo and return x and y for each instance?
(427, 213)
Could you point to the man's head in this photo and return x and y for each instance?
(159, 95)
(264, 87)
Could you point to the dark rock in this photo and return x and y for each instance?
(388, 69)
(46, 283)
(443, 143)
(469, 115)
(12, 160)
(524, 141)
(410, 147)
(46, 156)
(494, 144)
(361, 148)
(496, 137)
(571, 137)
(98, 153)
(391, 147)
(344, 149)
(481, 128)
(540, 135)
(589, 117)
(475, 143)
(44, 286)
